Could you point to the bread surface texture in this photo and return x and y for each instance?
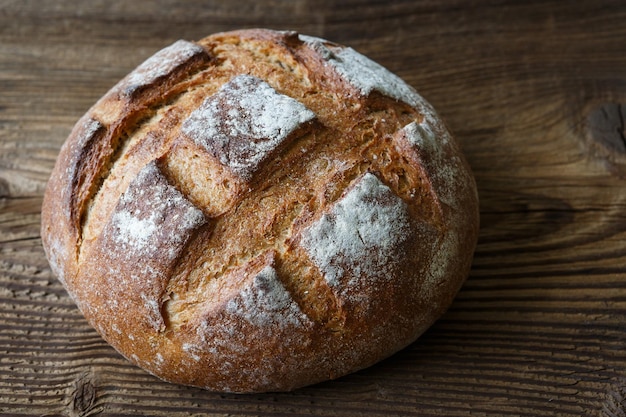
(259, 211)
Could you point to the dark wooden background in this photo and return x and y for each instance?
(532, 89)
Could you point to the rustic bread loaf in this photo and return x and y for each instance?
(259, 211)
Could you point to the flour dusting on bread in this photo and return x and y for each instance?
(159, 65)
(266, 303)
(360, 236)
(152, 216)
(446, 171)
(363, 73)
(133, 231)
(243, 123)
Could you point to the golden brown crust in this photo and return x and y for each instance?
(260, 211)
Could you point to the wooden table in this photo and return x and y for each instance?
(532, 89)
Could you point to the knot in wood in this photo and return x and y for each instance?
(606, 136)
(83, 395)
(606, 126)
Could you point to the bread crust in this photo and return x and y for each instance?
(259, 211)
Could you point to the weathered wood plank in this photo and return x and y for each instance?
(533, 91)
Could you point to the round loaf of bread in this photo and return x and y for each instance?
(259, 211)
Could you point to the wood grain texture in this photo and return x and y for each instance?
(532, 89)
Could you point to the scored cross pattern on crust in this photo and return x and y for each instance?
(248, 219)
(356, 246)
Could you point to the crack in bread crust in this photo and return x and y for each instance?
(268, 202)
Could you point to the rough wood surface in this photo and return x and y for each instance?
(533, 89)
